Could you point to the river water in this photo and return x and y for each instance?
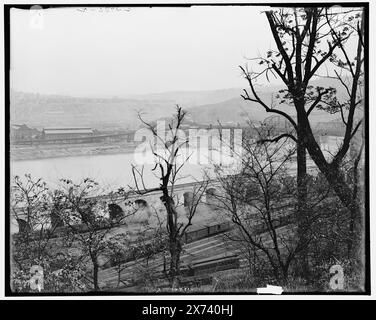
(111, 171)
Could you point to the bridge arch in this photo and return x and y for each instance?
(141, 203)
(188, 199)
(212, 195)
(115, 211)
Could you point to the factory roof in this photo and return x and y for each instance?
(67, 130)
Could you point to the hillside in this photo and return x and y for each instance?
(239, 111)
(210, 106)
(236, 110)
(189, 99)
(39, 111)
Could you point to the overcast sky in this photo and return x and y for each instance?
(144, 50)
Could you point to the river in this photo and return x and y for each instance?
(111, 171)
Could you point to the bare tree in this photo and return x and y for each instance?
(30, 207)
(312, 43)
(167, 168)
(87, 226)
(36, 245)
(261, 201)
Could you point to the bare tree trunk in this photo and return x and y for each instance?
(302, 203)
(175, 251)
(356, 218)
(337, 180)
(95, 273)
(175, 246)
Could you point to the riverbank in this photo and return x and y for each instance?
(19, 153)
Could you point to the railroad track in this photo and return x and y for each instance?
(208, 255)
(193, 254)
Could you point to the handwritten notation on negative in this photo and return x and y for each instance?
(103, 9)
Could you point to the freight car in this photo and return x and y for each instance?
(207, 231)
(209, 266)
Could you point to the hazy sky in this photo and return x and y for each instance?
(144, 50)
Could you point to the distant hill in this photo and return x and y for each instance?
(239, 111)
(210, 106)
(189, 99)
(39, 111)
(230, 111)
(236, 110)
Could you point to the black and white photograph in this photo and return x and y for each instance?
(187, 149)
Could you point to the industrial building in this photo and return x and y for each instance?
(20, 132)
(66, 133)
